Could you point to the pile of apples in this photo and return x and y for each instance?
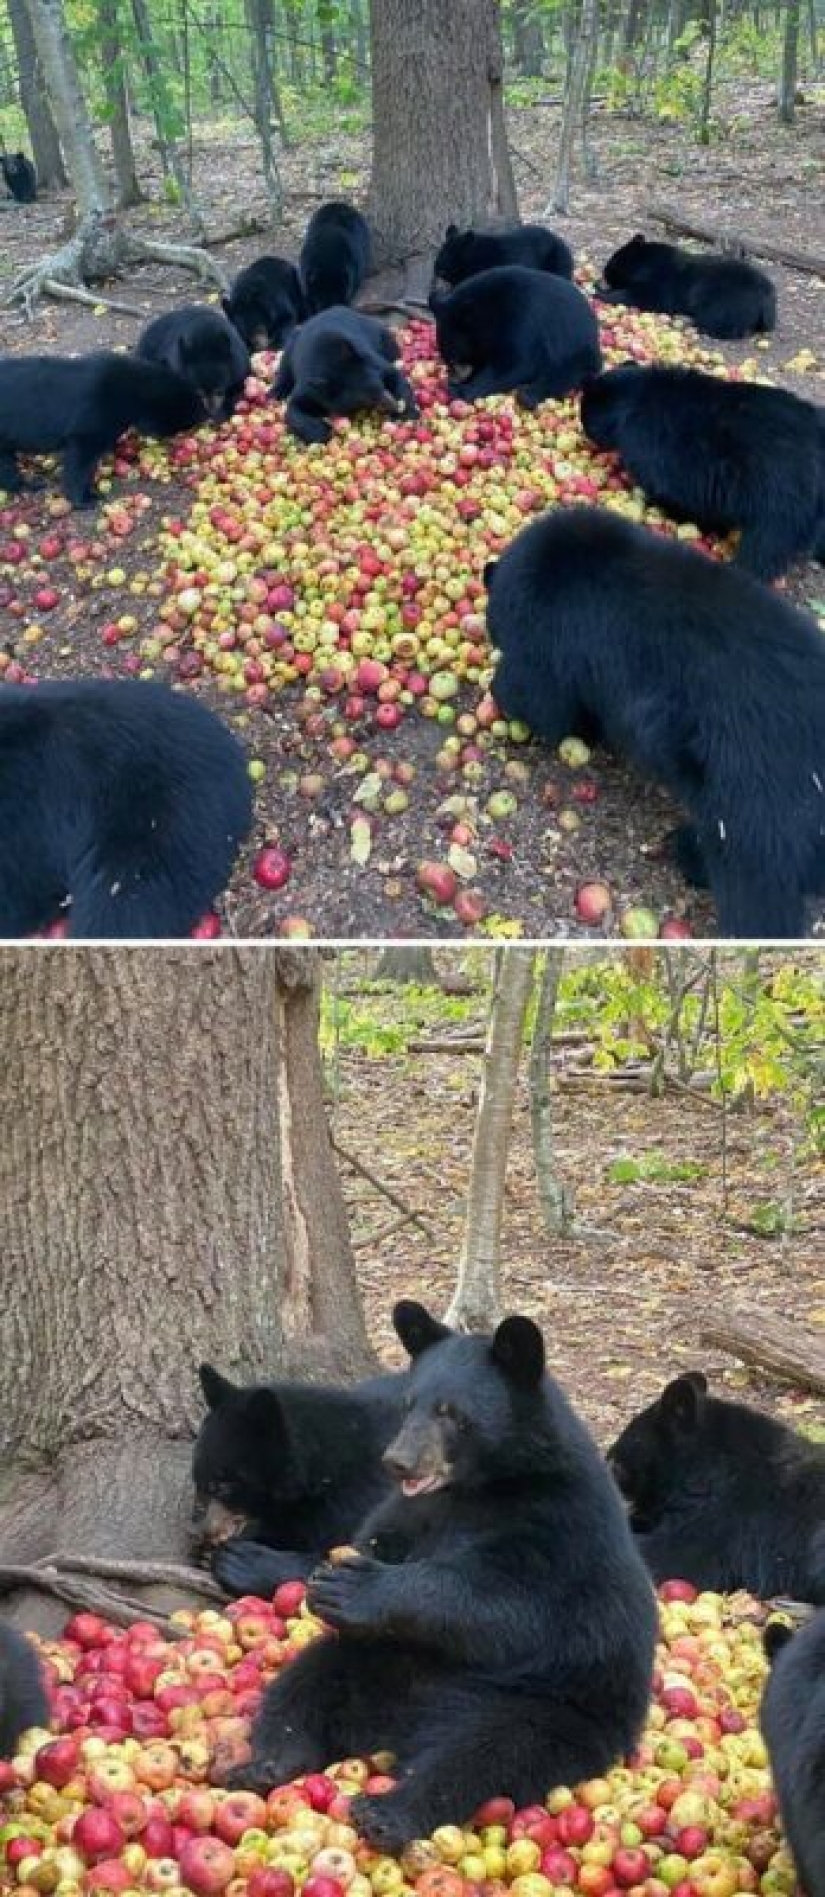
(119, 1798)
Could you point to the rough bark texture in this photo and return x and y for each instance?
(771, 1343)
(117, 102)
(54, 49)
(42, 130)
(141, 1226)
(476, 1303)
(413, 963)
(790, 63)
(439, 151)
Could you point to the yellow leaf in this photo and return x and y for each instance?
(360, 841)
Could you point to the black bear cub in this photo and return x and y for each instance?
(723, 1496)
(721, 295)
(122, 805)
(80, 406)
(793, 1724)
(23, 1701)
(724, 454)
(205, 348)
(465, 253)
(495, 1629)
(335, 256)
(515, 331)
(20, 176)
(339, 363)
(265, 303)
(695, 673)
(285, 1471)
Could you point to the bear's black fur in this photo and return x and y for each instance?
(205, 348)
(792, 1717)
(724, 454)
(20, 176)
(722, 295)
(122, 803)
(335, 256)
(515, 330)
(266, 303)
(496, 1628)
(723, 1496)
(81, 405)
(464, 254)
(23, 1701)
(339, 363)
(696, 673)
(297, 1465)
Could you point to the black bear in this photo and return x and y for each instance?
(81, 406)
(205, 348)
(693, 671)
(725, 454)
(721, 295)
(792, 1717)
(335, 256)
(465, 253)
(23, 1701)
(20, 176)
(337, 364)
(515, 330)
(265, 303)
(121, 803)
(289, 1469)
(495, 1628)
(723, 1496)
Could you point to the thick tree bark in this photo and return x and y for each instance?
(476, 1302)
(46, 152)
(117, 101)
(439, 153)
(413, 963)
(167, 1195)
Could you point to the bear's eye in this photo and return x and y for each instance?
(451, 1414)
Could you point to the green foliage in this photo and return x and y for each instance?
(382, 1018)
(769, 1219)
(655, 1169)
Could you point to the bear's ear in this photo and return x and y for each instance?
(682, 1400)
(450, 232)
(489, 570)
(415, 1326)
(638, 238)
(518, 1349)
(215, 1388)
(264, 1412)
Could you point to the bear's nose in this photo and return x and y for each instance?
(400, 1460)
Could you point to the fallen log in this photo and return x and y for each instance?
(768, 1343)
(736, 243)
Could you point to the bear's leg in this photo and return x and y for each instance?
(553, 715)
(249, 1567)
(307, 423)
(80, 458)
(487, 381)
(756, 896)
(684, 849)
(336, 1699)
(10, 477)
(467, 1747)
(398, 386)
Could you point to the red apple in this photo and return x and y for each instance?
(97, 1834)
(207, 1865)
(270, 1882)
(593, 902)
(437, 881)
(242, 1811)
(57, 1762)
(272, 867)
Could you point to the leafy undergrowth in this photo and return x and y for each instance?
(331, 602)
(119, 1797)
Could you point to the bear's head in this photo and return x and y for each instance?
(244, 1462)
(653, 1457)
(621, 267)
(211, 355)
(471, 1402)
(456, 258)
(606, 401)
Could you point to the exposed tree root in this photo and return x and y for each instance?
(100, 249)
(68, 293)
(61, 1577)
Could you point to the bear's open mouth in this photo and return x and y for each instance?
(425, 1484)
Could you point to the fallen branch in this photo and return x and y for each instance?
(401, 1205)
(768, 1343)
(737, 244)
(71, 293)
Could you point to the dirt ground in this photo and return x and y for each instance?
(760, 178)
(621, 1306)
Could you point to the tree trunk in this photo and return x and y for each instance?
(117, 100)
(360, 42)
(259, 17)
(68, 105)
(476, 1302)
(413, 964)
(555, 1200)
(437, 128)
(790, 64)
(45, 143)
(528, 39)
(707, 88)
(168, 1195)
(163, 111)
(580, 70)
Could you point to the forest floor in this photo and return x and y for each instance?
(621, 1306)
(84, 595)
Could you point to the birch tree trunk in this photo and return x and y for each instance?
(554, 1199)
(167, 1195)
(476, 1303)
(580, 70)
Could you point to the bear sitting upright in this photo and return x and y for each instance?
(722, 295)
(724, 454)
(723, 1496)
(339, 363)
(23, 1701)
(496, 1627)
(285, 1471)
(20, 176)
(515, 331)
(335, 256)
(465, 253)
(793, 1723)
